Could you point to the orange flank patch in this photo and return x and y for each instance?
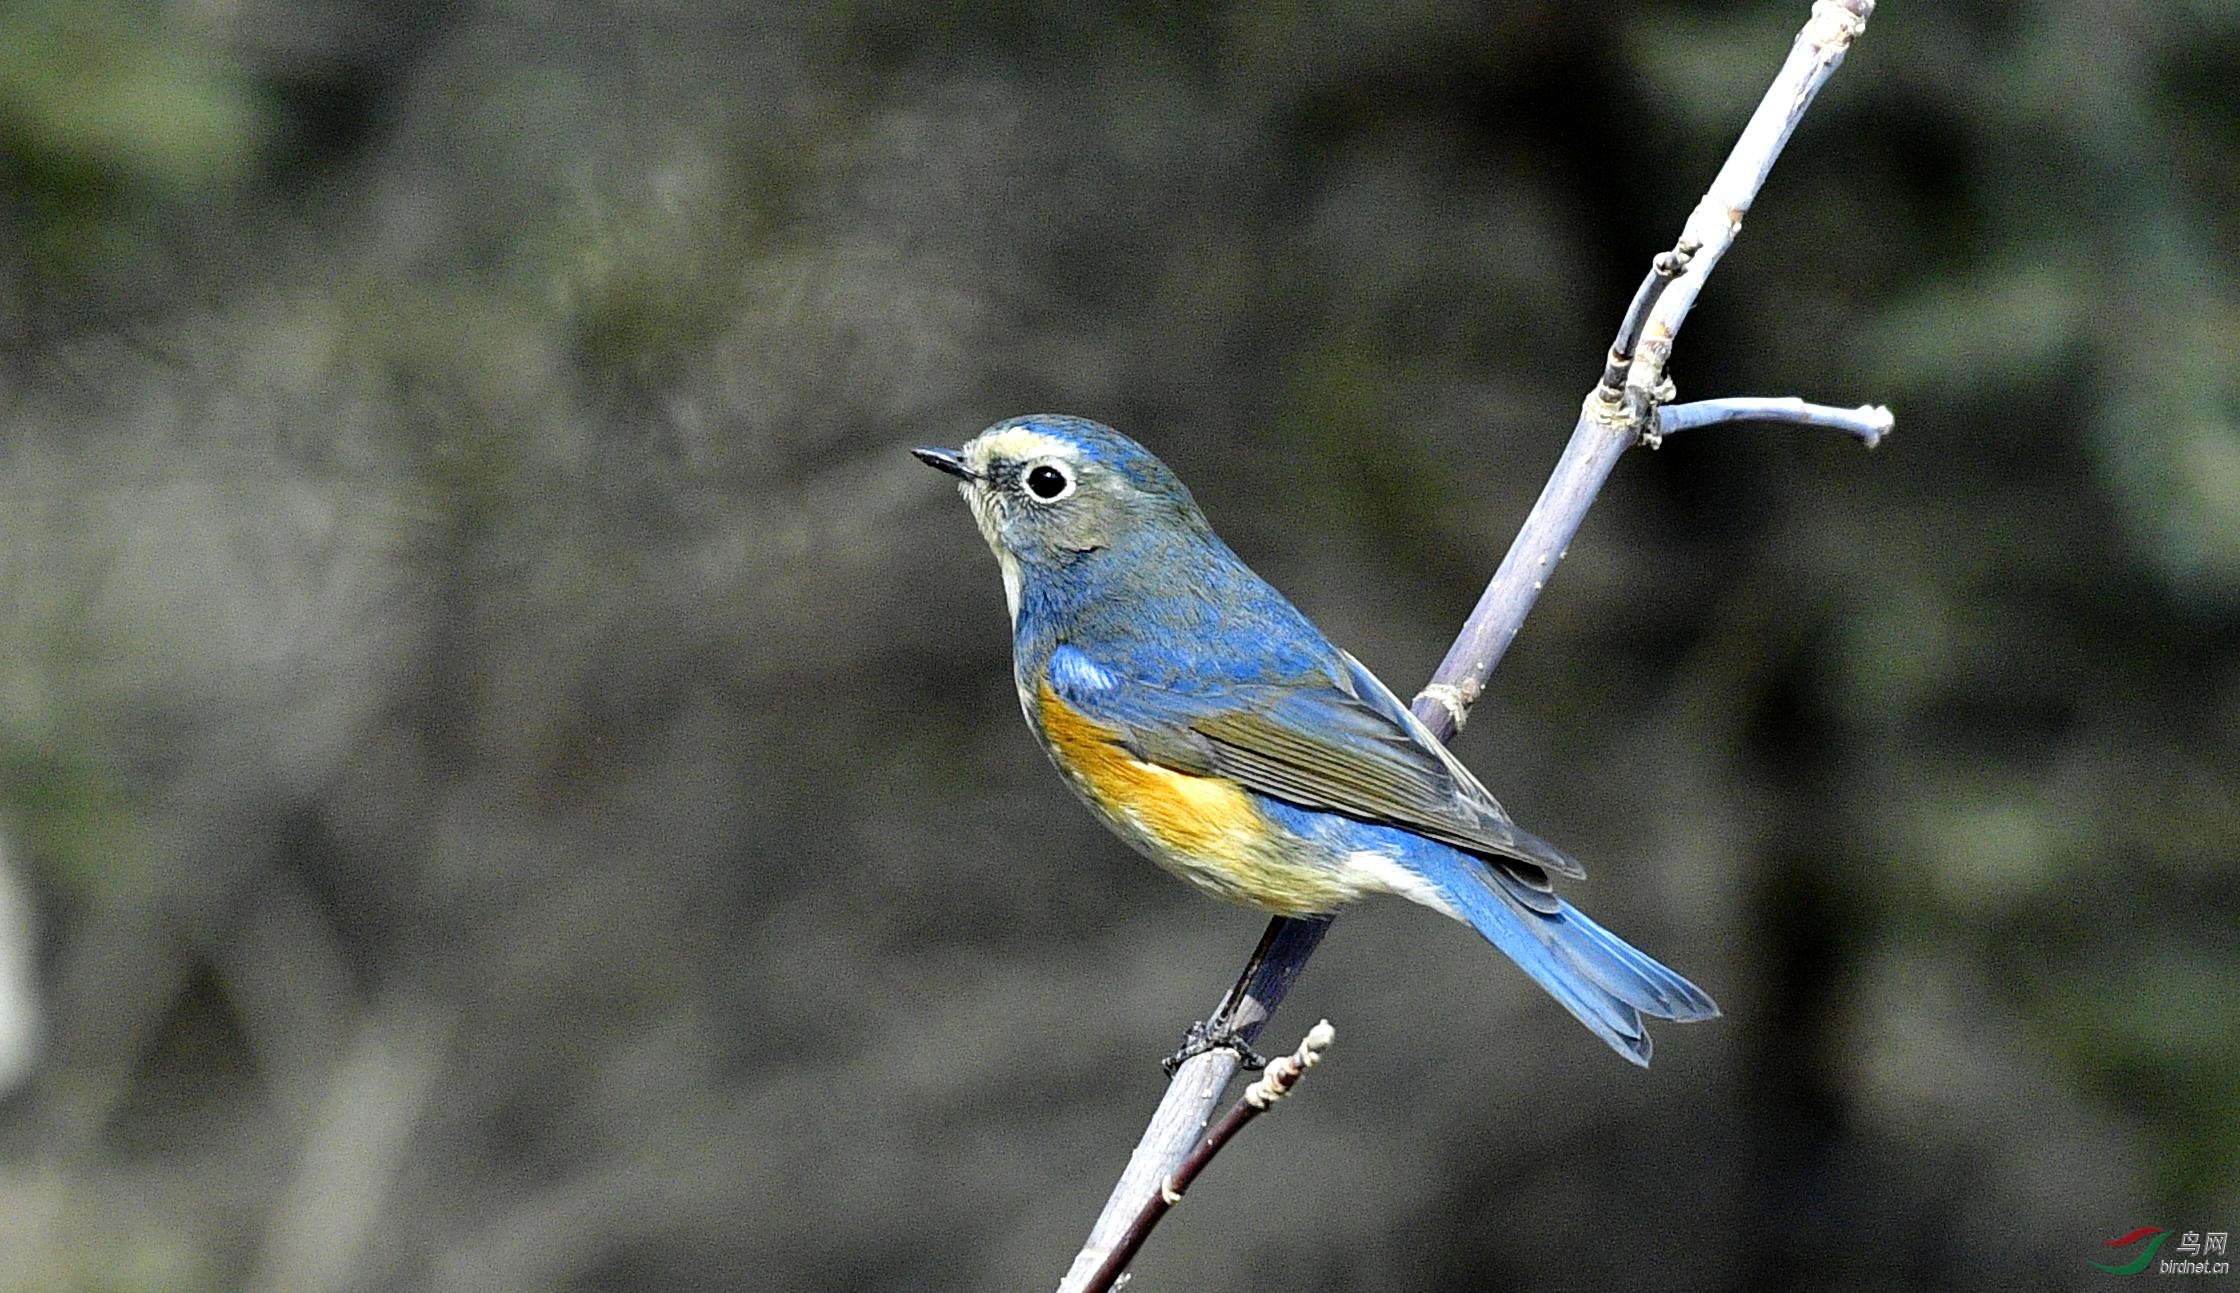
(1204, 829)
(1182, 812)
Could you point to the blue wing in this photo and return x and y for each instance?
(1340, 742)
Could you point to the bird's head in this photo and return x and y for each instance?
(1048, 489)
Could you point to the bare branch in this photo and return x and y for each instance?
(1717, 220)
(1610, 421)
(1274, 1085)
(1199, 1081)
(1867, 423)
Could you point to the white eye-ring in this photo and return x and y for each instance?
(1047, 481)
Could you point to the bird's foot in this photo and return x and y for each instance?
(1210, 1035)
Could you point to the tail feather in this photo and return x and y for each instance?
(1600, 978)
(1601, 1010)
(1639, 979)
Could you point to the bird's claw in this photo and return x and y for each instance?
(1207, 1035)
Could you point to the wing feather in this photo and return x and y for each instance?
(1343, 744)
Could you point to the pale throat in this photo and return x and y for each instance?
(983, 515)
(1012, 444)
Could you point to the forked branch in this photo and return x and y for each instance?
(1625, 408)
(1261, 1096)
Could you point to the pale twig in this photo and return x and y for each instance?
(1274, 1085)
(1609, 423)
(1717, 219)
(1867, 423)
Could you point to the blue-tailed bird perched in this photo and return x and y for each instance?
(1200, 715)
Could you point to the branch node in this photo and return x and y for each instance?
(1456, 700)
(1602, 410)
(1642, 404)
(1613, 374)
(1285, 1073)
(1836, 23)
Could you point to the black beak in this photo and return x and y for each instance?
(948, 460)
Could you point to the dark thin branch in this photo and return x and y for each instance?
(1274, 1085)
(1665, 268)
(1610, 421)
(1268, 974)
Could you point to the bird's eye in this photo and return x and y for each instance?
(1049, 481)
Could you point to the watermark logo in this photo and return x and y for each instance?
(2192, 1250)
(2154, 1234)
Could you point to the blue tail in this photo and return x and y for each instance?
(1605, 981)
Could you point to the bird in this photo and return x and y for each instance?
(1203, 719)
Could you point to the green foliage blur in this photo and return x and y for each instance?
(509, 776)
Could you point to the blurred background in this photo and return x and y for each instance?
(509, 778)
